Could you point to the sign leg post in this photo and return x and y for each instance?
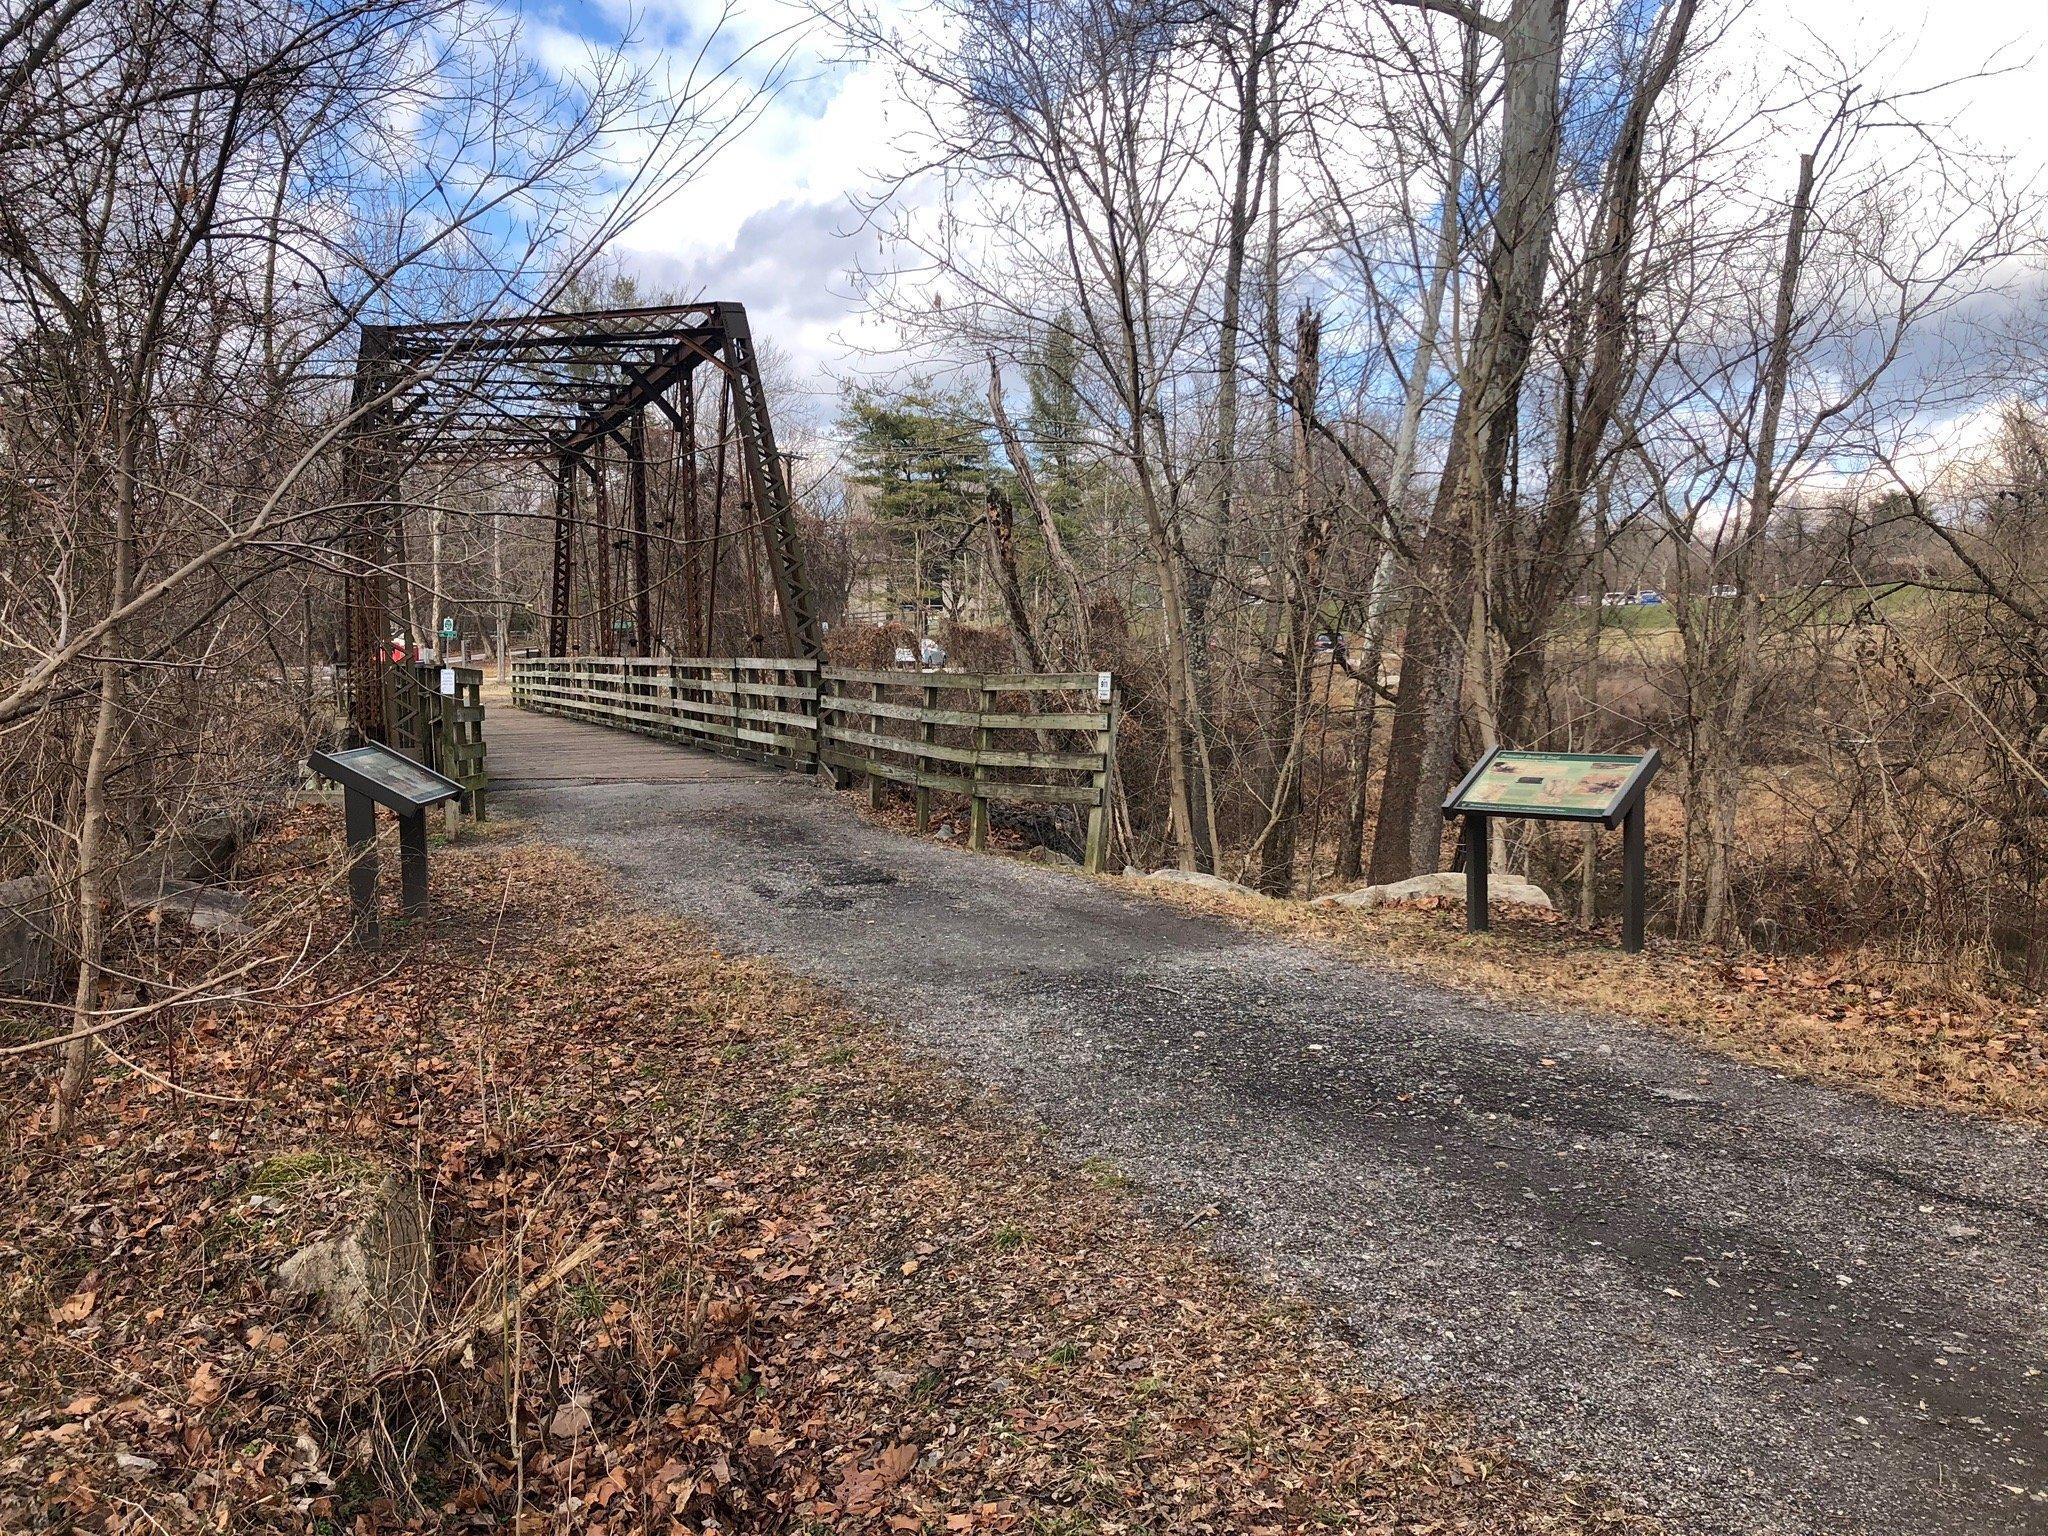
(412, 860)
(359, 814)
(1477, 857)
(1632, 880)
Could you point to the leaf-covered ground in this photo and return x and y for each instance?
(709, 1254)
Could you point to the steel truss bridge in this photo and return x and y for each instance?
(573, 392)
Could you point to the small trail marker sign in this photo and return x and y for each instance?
(1606, 788)
(448, 682)
(1103, 687)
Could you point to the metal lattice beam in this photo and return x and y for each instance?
(556, 389)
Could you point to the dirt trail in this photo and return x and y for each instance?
(1760, 1304)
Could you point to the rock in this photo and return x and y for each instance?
(1057, 828)
(132, 1465)
(199, 850)
(1502, 889)
(204, 909)
(1052, 857)
(28, 934)
(372, 1277)
(1201, 882)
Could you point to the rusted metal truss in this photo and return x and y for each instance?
(565, 391)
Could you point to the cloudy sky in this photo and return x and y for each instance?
(775, 222)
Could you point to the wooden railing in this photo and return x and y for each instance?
(763, 707)
(983, 736)
(975, 734)
(443, 730)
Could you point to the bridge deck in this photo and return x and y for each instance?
(531, 750)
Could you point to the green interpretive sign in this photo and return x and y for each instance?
(1564, 784)
(1603, 787)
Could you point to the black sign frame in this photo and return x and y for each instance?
(334, 765)
(1624, 810)
(362, 793)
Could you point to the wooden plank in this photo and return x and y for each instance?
(1073, 762)
(914, 712)
(995, 720)
(957, 682)
(1038, 682)
(1058, 794)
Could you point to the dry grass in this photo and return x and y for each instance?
(1859, 1021)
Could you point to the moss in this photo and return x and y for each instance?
(288, 1170)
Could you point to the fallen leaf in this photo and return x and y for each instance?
(203, 1386)
(896, 1463)
(77, 1307)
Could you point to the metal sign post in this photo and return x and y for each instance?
(371, 776)
(1604, 788)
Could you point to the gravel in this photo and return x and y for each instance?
(1753, 1304)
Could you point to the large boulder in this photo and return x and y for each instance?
(202, 908)
(1502, 888)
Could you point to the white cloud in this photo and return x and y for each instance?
(774, 221)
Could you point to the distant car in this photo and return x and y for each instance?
(1326, 642)
(1650, 597)
(1583, 600)
(1615, 600)
(1725, 591)
(932, 653)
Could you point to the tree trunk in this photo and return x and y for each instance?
(1415, 394)
(1601, 337)
(90, 927)
(1002, 551)
(1728, 726)
(1298, 630)
(1409, 837)
(1041, 512)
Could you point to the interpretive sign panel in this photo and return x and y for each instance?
(1601, 787)
(1571, 785)
(385, 776)
(371, 776)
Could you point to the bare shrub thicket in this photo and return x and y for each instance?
(1350, 353)
(198, 204)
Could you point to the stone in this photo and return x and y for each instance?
(28, 934)
(204, 909)
(371, 1277)
(1502, 889)
(1215, 884)
(1052, 857)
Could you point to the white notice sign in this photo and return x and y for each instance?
(905, 656)
(448, 681)
(1102, 687)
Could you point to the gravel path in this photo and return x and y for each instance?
(1758, 1304)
